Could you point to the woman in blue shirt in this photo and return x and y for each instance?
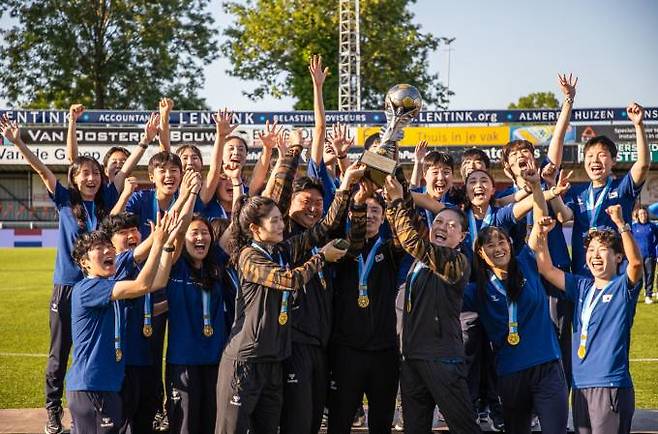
(646, 236)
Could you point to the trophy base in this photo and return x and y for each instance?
(379, 167)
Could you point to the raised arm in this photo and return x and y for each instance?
(129, 187)
(165, 107)
(538, 242)
(640, 168)
(568, 88)
(268, 139)
(417, 173)
(341, 144)
(562, 212)
(75, 112)
(282, 179)
(234, 172)
(150, 131)
(448, 263)
(635, 267)
(318, 75)
(223, 129)
(168, 225)
(12, 132)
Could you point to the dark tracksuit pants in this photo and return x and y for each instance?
(156, 340)
(191, 398)
(541, 389)
(305, 378)
(94, 412)
(424, 385)
(603, 410)
(140, 400)
(649, 274)
(60, 344)
(355, 372)
(561, 312)
(249, 397)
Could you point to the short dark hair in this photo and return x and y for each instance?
(183, 148)
(115, 223)
(244, 142)
(605, 142)
(162, 158)
(87, 242)
(307, 183)
(477, 154)
(371, 140)
(112, 150)
(462, 217)
(481, 269)
(516, 145)
(607, 237)
(434, 158)
(380, 200)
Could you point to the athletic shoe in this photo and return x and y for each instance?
(535, 422)
(483, 416)
(497, 423)
(54, 424)
(648, 300)
(359, 418)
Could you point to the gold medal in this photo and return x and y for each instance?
(408, 305)
(147, 330)
(581, 352)
(592, 230)
(118, 354)
(207, 330)
(363, 301)
(283, 318)
(513, 338)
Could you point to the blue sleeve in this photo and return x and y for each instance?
(95, 292)
(627, 187)
(320, 172)
(653, 208)
(573, 285)
(125, 265)
(134, 204)
(508, 191)
(110, 195)
(504, 217)
(61, 197)
(469, 298)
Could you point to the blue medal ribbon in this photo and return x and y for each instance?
(316, 251)
(156, 205)
(472, 223)
(586, 315)
(414, 274)
(118, 354)
(283, 312)
(513, 337)
(205, 300)
(364, 272)
(90, 216)
(147, 329)
(594, 209)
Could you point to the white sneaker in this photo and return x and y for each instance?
(648, 300)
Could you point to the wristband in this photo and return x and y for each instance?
(625, 228)
(341, 156)
(143, 145)
(169, 249)
(568, 99)
(196, 193)
(552, 190)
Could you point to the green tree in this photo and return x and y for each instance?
(537, 100)
(105, 53)
(271, 41)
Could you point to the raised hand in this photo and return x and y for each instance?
(530, 174)
(563, 183)
(635, 113)
(234, 171)
(331, 252)
(223, 125)
(366, 189)
(196, 182)
(165, 106)
(75, 111)
(186, 182)
(340, 141)
(393, 189)
(568, 84)
(151, 128)
(353, 174)
(420, 151)
(10, 130)
(269, 137)
(130, 185)
(317, 73)
(614, 211)
(549, 173)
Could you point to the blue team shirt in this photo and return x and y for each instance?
(646, 237)
(187, 344)
(450, 199)
(538, 342)
(67, 271)
(329, 183)
(623, 191)
(608, 335)
(137, 351)
(94, 366)
(501, 217)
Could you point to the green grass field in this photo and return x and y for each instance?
(25, 287)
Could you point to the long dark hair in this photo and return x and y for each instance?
(211, 271)
(77, 207)
(247, 210)
(467, 200)
(514, 282)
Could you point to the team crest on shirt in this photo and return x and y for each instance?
(175, 395)
(235, 400)
(606, 298)
(494, 298)
(106, 422)
(333, 385)
(614, 194)
(379, 257)
(292, 378)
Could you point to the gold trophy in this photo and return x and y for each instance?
(402, 104)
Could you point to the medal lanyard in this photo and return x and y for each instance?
(594, 209)
(205, 300)
(512, 322)
(472, 224)
(118, 354)
(90, 217)
(156, 205)
(147, 329)
(283, 312)
(364, 272)
(222, 211)
(414, 274)
(586, 315)
(234, 277)
(316, 251)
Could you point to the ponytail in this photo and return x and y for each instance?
(247, 210)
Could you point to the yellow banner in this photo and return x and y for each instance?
(446, 136)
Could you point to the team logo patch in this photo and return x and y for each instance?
(292, 379)
(175, 395)
(606, 298)
(235, 400)
(494, 298)
(333, 385)
(54, 307)
(379, 257)
(106, 422)
(613, 194)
